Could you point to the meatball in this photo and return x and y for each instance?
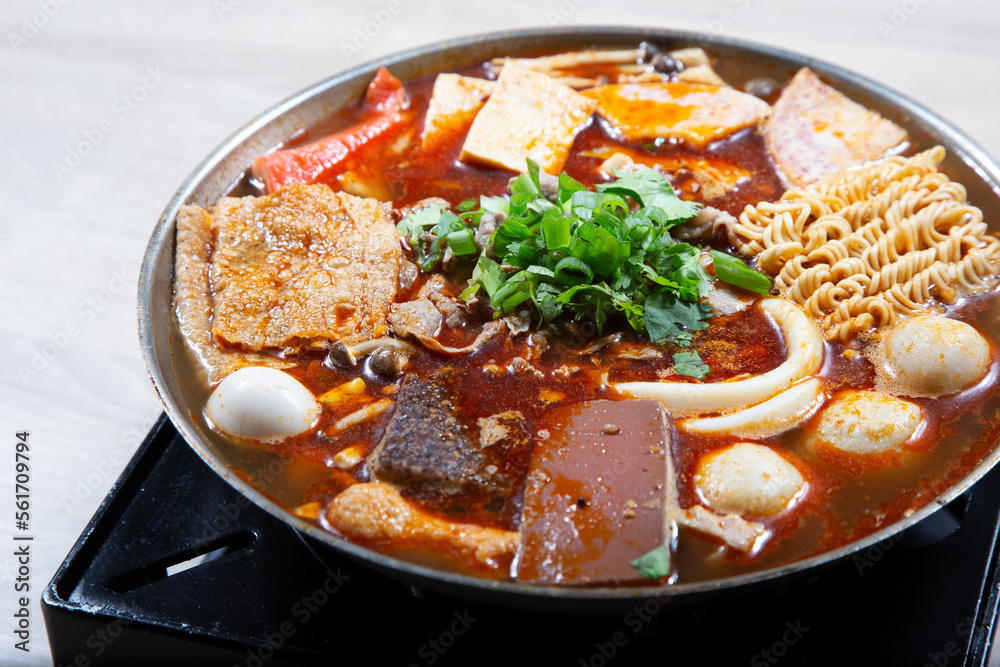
(931, 355)
(865, 423)
(747, 478)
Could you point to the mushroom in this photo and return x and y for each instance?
(342, 356)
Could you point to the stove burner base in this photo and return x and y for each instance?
(177, 568)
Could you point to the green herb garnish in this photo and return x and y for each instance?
(733, 271)
(430, 230)
(589, 254)
(586, 254)
(690, 364)
(655, 564)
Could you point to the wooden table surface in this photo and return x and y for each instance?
(107, 105)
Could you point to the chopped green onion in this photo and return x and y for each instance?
(462, 242)
(733, 271)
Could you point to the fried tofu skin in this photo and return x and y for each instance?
(291, 270)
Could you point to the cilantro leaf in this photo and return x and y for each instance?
(690, 364)
(651, 189)
(415, 225)
(655, 564)
(586, 254)
(671, 320)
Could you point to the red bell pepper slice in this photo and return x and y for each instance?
(384, 102)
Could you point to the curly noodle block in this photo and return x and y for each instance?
(872, 244)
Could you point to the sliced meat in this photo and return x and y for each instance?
(302, 267)
(815, 132)
(431, 447)
(529, 115)
(693, 112)
(377, 512)
(454, 103)
(599, 494)
(418, 317)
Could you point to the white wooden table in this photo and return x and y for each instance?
(106, 106)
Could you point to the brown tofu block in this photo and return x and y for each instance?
(454, 103)
(596, 495)
(300, 267)
(529, 115)
(815, 132)
(697, 113)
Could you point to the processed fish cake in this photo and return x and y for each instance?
(815, 132)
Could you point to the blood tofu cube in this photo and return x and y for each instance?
(596, 494)
(454, 103)
(692, 112)
(529, 115)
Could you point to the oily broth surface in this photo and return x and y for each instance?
(838, 508)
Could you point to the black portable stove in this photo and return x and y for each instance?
(177, 568)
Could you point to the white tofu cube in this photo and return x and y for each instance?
(454, 103)
(528, 116)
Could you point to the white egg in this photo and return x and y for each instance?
(747, 478)
(258, 403)
(931, 355)
(865, 423)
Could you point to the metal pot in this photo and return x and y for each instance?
(183, 394)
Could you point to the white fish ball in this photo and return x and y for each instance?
(866, 423)
(931, 355)
(747, 478)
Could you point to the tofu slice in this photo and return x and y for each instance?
(454, 103)
(815, 132)
(528, 116)
(598, 495)
(693, 112)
